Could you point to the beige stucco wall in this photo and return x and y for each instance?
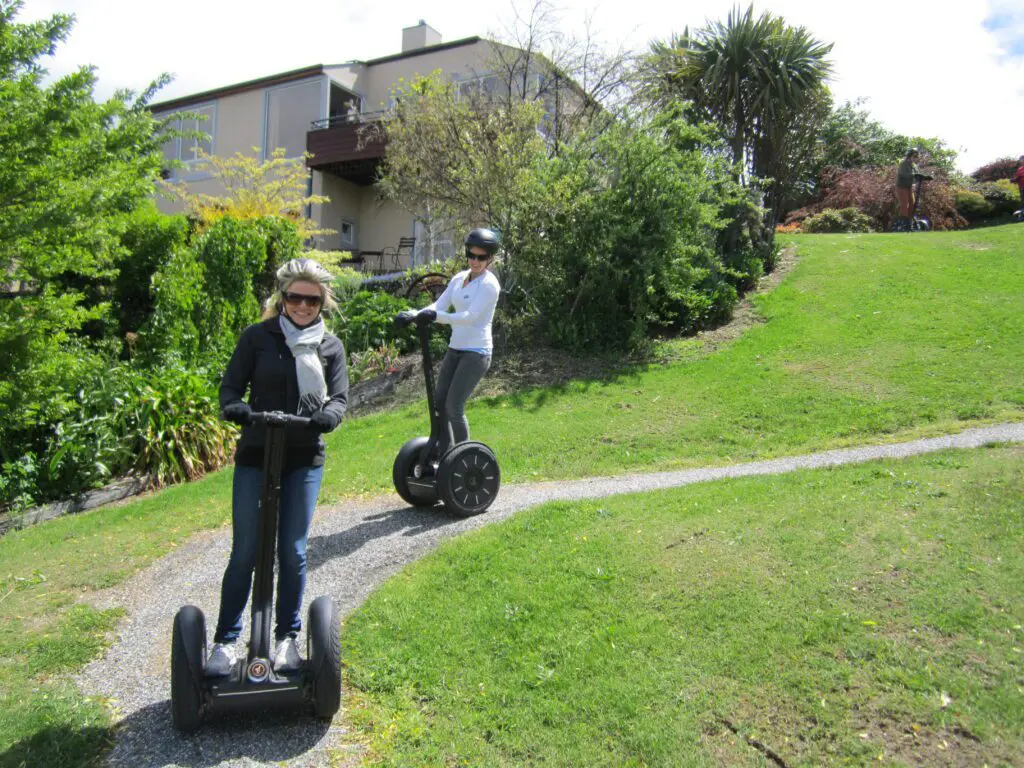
(345, 203)
(379, 224)
(238, 126)
(464, 60)
(382, 223)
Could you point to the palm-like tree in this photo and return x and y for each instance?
(750, 75)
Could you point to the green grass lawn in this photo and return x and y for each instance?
(844, 617)
(871, 338)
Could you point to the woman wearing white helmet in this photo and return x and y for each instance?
(289, 363)
(473, 295)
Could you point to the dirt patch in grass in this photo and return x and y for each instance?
(914, 744)
(776, 735)
(760, 734)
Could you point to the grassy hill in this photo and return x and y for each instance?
(871, 338)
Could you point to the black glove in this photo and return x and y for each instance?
(239, 413)
(404, 318)
(425, 317)
(323, 422)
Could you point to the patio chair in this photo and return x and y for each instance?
(406, 246)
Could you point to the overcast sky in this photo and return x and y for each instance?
(926, 67)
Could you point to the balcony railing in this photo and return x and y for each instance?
(340, 146)
(356, 117)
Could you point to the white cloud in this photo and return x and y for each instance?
(928, 71)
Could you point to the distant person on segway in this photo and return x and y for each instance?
(908, 183)
(288, 363)
(473, 294)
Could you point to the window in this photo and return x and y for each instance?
(347, 235)
(487, 87)
(290, 110)
(199, 121)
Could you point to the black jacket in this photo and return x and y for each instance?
(263, 365)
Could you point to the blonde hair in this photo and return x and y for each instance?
(297, 270)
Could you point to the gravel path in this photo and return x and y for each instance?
(352, 549)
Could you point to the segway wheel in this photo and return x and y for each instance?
(188, 662)
(468, 478)
(324, 654)
(402, 472)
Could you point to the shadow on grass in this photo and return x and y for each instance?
(66, 746)
(536, 395)
(408, 521)
(146, 739)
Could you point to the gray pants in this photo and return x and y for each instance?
(460, 372)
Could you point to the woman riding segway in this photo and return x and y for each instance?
(288, 363)
(473, 293)
(447, 466)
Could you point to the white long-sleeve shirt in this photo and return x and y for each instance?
(474, 304)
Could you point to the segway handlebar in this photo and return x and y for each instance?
(279, 419)
(422, 318)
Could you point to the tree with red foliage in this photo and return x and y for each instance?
(1002, 168)
(871, 191)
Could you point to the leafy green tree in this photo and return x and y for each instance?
(455, 162)
(851, 138)
(70, 167)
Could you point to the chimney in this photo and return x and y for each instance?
(420, 36)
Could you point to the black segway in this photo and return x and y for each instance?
(465, 478)
(915, 223)
(253, 683)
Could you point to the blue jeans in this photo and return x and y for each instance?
(298, 500)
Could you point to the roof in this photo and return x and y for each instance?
(298, 74)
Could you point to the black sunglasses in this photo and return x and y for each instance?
(477, 256)
(294, 299)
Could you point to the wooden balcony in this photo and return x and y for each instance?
(341, 147)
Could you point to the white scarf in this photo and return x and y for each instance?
(303, 342)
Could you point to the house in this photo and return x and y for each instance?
(320, 109)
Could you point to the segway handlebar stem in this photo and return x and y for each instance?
(279, 419)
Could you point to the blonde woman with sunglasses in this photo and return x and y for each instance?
(289, 363)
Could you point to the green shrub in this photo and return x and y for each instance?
(972, 205)
(52, 371)
(209, 292)
(174, 423)
(282, 243)
(19, 483)
(1002, 195)
(347, 283)
(842, 220)
(161, 422)
(149, 241)
(630, 239)
(366, 321)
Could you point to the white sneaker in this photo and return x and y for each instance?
(286, 655)
(222, 659)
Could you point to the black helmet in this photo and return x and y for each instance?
(482, 238)
(913, 151)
